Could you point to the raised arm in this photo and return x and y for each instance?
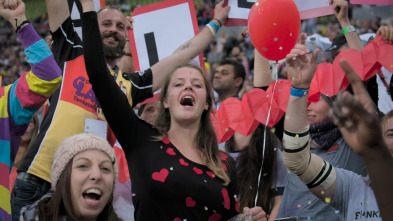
(58, 12)
(317, 174)
(114, 103)
(188, 50)
(341, 9)
(126, 63)
(357, 118)
(262, 74)
(34, 87)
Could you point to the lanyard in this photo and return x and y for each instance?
(116, 72)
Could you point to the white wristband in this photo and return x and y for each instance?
(211, 29)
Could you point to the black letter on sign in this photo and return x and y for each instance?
(151, 48)
(77, 22)
(244, 4)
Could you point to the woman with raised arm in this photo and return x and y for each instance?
(350, 194)
(22, 99)
(177, 171)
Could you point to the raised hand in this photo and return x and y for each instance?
(356, 115)
(13, 11)
(301, 68)
(129, 22)
(221, 12)
(341, 9)
(387, 33)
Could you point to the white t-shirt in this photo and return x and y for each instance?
(354, 198)
(385, 103)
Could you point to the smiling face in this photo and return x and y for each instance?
(318, 112)
(92, 180)
(113, 27)
(186, 96)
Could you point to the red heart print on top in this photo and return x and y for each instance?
(184, 163)
(165, 141)
(160, 176)
(170, 151)
(197, 171)
(215, 217)
(227, 204)
(210, 173)
(190, 202)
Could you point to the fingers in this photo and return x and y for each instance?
(387, 33)
(347, 112)
(11, 4)
(221, 11)
(256, 213)
(302, 39)
(340, 5)
(354, 79)
(299, 49)
(129, 22)
(314, 59)
(338, 114)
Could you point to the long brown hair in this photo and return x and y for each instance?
(60, 204)
(249, 165)
(206, 137)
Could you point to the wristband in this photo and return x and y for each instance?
(211, 29)
(298, 92)
(348, 29)
(19, 26)
(214, 25)
(219, 22)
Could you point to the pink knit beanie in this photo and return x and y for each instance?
(73, 145)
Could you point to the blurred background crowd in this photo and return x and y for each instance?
(229, 42)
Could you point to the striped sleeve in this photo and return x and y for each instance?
(33, 88)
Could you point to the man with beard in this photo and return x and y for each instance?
(73, 108)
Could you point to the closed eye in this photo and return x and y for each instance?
(106, 169)
(82, 166)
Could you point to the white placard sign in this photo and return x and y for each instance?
(159, 29)
(75, 10)
(240, 9)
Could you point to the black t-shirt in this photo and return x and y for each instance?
(166, 185)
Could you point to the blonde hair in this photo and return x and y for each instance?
(385, 119)
(206, 137)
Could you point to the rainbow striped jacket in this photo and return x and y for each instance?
(19, 102)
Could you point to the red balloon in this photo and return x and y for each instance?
(274, 27)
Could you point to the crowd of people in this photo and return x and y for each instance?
(329, 158)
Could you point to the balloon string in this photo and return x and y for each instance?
(274, 72)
